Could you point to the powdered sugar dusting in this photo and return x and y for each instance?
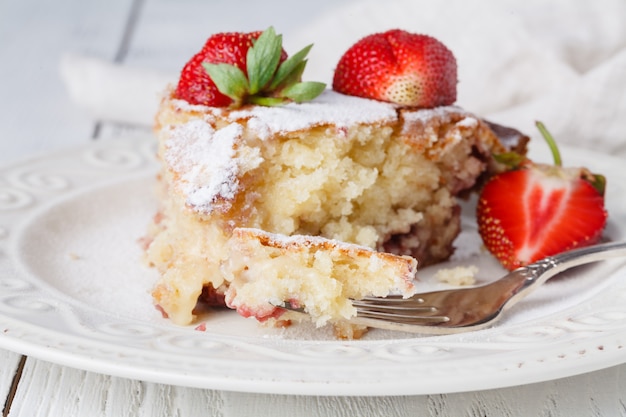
(470, 122)
(209, 162)
(423, 116)
(206, 160)
(306, 240)
(330, 108)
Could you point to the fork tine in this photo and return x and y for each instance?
(380, 305)
(398, 309)
(392, 298)
(401, 318)
(472, 308)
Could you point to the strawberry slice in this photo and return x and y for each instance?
(398, 67)
(540, 210)
(237, 68)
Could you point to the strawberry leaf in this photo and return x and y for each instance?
(291, 69)
(293, 78)
(304, 91)
(262, 59)
(266, 80)
(267, 101)
(598, 181)
(512, 160)
(229, 80)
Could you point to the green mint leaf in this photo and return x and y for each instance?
(263, 58)
(294, 63)
(304, 91)
(229, 80)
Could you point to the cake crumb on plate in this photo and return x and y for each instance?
(460, 275)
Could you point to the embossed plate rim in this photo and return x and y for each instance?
(48, 325)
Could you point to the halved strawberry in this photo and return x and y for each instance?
(398, 67)
(540, 210)
(237, 68)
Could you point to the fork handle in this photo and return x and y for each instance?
(556, 264)
(539, 272)
(520, 282)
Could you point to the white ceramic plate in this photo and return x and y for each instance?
(73, 291)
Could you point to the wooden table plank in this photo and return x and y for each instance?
(50, 389)
(61, 391)
(10, 368)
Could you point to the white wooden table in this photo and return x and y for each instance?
(37, 116)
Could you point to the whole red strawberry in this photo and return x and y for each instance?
(195, 84)
(237, 68)
(540, 210)
(398, 67)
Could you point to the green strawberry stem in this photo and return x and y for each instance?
(598, 181)
(556, 155)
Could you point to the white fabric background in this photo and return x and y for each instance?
(562, 62)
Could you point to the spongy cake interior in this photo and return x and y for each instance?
(316, 274)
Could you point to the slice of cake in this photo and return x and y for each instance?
(340, 167)
(319, 275)
(376, 176)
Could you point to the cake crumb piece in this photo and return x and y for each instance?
(460, 275)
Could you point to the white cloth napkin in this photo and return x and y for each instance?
(114, 92)
(559, 62)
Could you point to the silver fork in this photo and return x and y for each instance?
(472, 308)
